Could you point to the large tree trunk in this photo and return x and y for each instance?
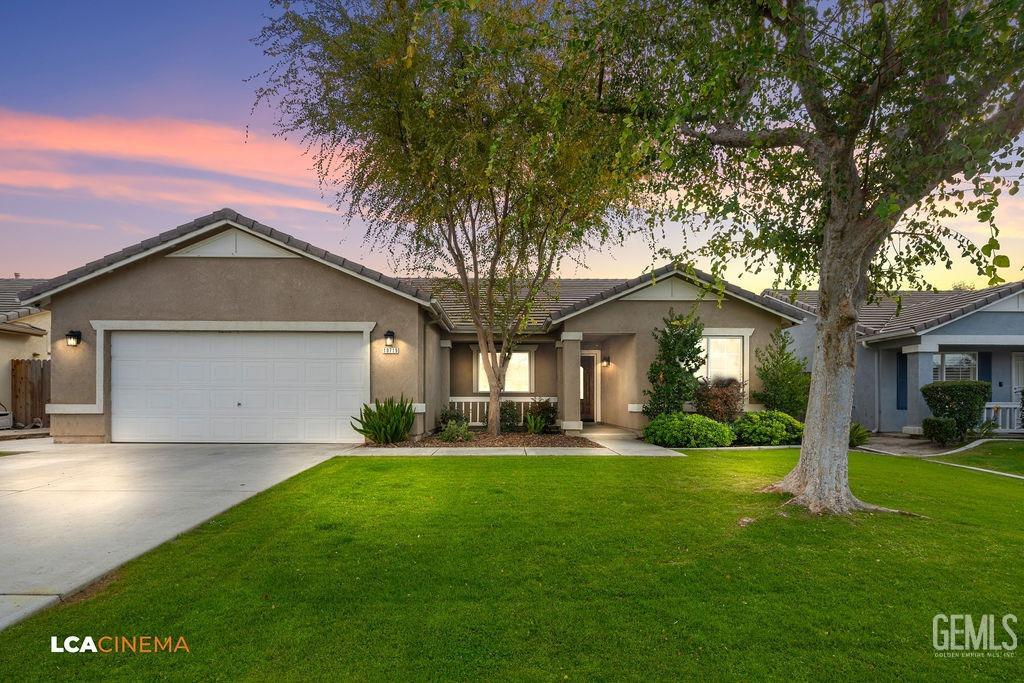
(494, 411)
(820, 480)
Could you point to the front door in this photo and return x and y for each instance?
(587, 366)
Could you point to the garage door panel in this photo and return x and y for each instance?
(194, 372)
(236, 386)
(226, 372)
(190, 400)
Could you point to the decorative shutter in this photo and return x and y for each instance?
(901, 381)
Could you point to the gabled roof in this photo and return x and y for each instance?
(705, 280)
(211, 221)
(555, 296)
(920, 311)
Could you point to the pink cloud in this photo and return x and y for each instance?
(196, 195)
(187, 144)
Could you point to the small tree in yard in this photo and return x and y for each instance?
(671, 373)
(783, 376)
(835, 141)
(454, 131)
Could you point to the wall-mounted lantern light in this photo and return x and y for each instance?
(606, 361)
(73, 338)
(389, 342)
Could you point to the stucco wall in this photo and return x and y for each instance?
(619, 380)
(638, 319)
(231, 289)
(22, 346)
(432, 373)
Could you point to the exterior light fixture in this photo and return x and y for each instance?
(389, 343)
(606, 361)
(73, 338)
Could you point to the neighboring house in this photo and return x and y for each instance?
(226, 330)
(932, 336)
(24, 331)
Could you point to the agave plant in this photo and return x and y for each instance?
(387, 421)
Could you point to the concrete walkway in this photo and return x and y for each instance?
(72, 513)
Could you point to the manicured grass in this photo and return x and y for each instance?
(1001, 456)
(574, 568)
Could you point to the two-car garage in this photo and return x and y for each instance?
(236, 386)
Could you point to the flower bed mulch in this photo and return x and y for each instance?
(512, 440)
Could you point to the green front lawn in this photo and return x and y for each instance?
(1001, 456)
(574, 568)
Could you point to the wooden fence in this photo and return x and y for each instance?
(30, 391)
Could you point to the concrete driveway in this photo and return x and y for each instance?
(71, 513)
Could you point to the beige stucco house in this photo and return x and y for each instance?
(226, 330)
(24, 331)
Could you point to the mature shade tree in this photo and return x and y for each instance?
(835, 141)
(458, 132)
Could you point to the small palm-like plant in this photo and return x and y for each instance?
(387, 421)
(535, 424)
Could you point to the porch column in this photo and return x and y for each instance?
(569, 397)
(445, 390)
(919, 373)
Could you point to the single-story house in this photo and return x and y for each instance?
(226, 330)
(913, 338)
(24, 331)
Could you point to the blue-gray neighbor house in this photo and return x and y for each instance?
(940, 335)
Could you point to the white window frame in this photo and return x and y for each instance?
(942, 363)
(529, 349)
(745, 333)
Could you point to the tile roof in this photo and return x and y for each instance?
(558, 294)
(920, 311)
(777, 306)
(9, 289)
(561, 299)
(566, 296)
(215, 217)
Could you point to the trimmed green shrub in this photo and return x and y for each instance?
(720, 399)
(671, 373)
(535, 424)
(859, 435)
(451, 415)
(767, 428)
(509, 418)
(387, 421)
(785, 378)
(942, 430)
(963, 401)
(455, 431)
(546, 411)
(687, 430)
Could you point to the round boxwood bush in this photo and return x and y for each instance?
(767, 428)
(687, 430)
(962, 401)
(941, 430)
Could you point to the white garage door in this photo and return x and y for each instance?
(249, 387)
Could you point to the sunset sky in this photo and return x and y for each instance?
(119, 120)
